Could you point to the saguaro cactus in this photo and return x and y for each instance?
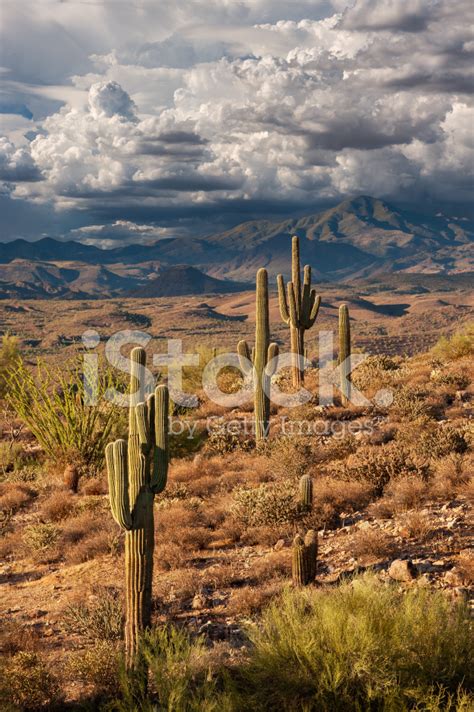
(299, 307)
(137, 471)
(304, 558)
(261, 356)
(344, 353)
(306, 492)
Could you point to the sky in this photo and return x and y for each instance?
(128, 121)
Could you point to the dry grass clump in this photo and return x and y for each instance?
(275, 565)
(40, 538)
(372, 544)
(176, 587)
(169, 556)
(332, 496)
(453, 474)
(100, 619)
(405, 493)
(248, 600)
(465, 566)
(290, 456)
(27, 683)
(184, 523)
(15, 637)
(97, 667)
(94, 486)
(416, 525)
(14, 495)
(58, 506)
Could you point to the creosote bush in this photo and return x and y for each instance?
(27, 684)
(459, 345)
(362, 646)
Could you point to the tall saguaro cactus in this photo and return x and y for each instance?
(137, 471)
(344, 353)
(299, 307)
(261, 355)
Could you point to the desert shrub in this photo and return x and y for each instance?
(441, 440)
(416, 525)
(98, 666)
(179, 673)
(364, 646)
(457, 379)
(15, 637)
(14, 496)
(54, 407)
(40, 537)
(410, 403)
(9, 355)
(101, 619)
(248, 600)
(378, 465)
(456, 346)
(27, 684)
(223, 439)
(405, 493)
(290, 456)
(452, 473)
(374, 372)
(372, 544)
(58, 506)
(269, 504)
(333, 496)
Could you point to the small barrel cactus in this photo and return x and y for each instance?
(262, 356)
(306, 492)
(311, 547)
(299, 307)
(304, 558)
(137, 471)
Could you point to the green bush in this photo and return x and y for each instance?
(39, 537)
(457, 346)
(269, 504)
(179, 673)
(365, 646)
(53, 407)
(27, 684)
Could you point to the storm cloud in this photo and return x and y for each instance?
(198, 110)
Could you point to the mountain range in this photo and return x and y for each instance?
(359, 238)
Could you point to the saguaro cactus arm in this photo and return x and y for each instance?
(159, 474)
(116, 458)
(284, 313)
(272, 353)
(244, 355)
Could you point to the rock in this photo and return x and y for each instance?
(453, 578)
(199, 601)
(402, 570)
(279, 545)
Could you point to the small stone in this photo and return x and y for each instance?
(279, 545)
(402, 570)
(199, 601)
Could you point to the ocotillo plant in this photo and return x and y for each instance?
(305, 551)
(344, 353)
(137, 471)
(261, 356)
(299, 307)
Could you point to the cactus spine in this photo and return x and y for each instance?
(299, 307)
(306, 492)
(261, 356)
(304, 558)
(137, 471)
(344, 353)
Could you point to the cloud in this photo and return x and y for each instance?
(121, 232)
(16, 164)
(231, 109)
(109, 99)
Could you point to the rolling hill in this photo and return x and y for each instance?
(357, 239)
